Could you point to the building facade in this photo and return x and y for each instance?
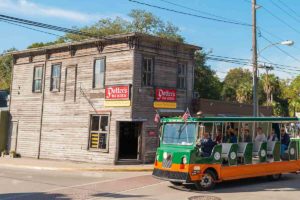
(95, 101)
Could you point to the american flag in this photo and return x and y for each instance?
(156, 118)
(186, 115)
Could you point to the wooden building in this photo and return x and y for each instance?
(95, 100)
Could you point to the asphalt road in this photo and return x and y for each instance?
(40, 185)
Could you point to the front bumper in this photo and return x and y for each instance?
(180, 177)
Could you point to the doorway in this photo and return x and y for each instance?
(129, 140)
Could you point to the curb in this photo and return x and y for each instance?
(79, 169)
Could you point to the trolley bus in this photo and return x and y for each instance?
(249, 147)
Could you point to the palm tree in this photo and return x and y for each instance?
(244, 92)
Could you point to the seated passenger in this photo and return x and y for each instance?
(285, 141)
(206, 145)
(218, 139)
(247, 136)
(233, 137)
(272, 137)
(226, 138)
(260, 137)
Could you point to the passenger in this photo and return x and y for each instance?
(206, 145)
(247, 136)
(226, 138)
(260, 137)
(285, 141)
(272, 137)
(233, 137)
(218, 139)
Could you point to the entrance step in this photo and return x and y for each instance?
(129, 162)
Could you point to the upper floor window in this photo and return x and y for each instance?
(37, 79)
(55, 77)
(99, 73)
(147, 71)
(181, 76)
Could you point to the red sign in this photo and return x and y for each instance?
(117, 92)
(165, 94)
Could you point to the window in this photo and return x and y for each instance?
(55, 77)
(99, 132)
(99, 72)
(37, 79)
(147, 71)
(181, 76)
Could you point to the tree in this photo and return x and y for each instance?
(5, 69)
(233, 83)
(207, 84)
(244, 92)
(269, 83)
(141, 21)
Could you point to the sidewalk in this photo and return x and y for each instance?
(41, 164)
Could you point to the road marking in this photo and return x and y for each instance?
(69, 187)
(124, 191)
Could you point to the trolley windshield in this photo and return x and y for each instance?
(179, 133)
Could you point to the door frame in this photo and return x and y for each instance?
(140, 139)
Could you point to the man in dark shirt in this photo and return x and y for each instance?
(285, 141)
(206, 145)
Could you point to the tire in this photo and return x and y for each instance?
(274, 177)
(207, 182)
(175, 183)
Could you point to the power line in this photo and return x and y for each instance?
(286, 12)
(5, 21)
(14, 20)
(190, 14)
(200, 11)
(289, 8)
(277, 47)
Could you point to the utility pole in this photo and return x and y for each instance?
(254, 59)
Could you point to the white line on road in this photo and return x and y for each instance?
(129, 190)
(68, 187)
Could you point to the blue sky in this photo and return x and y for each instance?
(222, 39)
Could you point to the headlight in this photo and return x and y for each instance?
(165, 155)
(184, 160)
(157, 157)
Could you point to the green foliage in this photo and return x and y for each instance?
(207, 84)
(140, 21)
(237, 83)
(5, 69)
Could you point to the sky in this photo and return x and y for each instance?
(278, 21)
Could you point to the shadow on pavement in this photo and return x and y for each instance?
(117, 195)
(290, 182)
(32, 196)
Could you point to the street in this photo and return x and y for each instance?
(42, 184)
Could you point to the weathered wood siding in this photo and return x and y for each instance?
(165, 76)
(65, 129)
(66, 114)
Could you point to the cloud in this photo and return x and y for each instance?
(26, 7)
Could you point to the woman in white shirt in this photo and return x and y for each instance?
(260, 137)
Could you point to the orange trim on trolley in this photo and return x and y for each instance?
(235, 172)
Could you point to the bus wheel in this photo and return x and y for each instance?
(207, 182)
(274, 177)
(175, 183)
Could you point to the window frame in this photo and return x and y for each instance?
(51, 77)
(180, 76)
(90, 148)
(94, 74)
(151, 73)
(34, 79)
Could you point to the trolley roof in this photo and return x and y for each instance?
(232, 119)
